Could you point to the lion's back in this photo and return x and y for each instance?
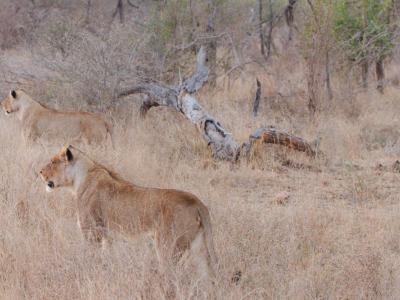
(131, 209)
(68, 127)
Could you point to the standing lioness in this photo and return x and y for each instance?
(178, 220)
(39, 121)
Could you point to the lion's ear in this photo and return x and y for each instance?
(14, 94)
(69, 155)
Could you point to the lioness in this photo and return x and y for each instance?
(40, 121)
(179, 221)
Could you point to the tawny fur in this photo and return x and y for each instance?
(55, 126)
(178, 220)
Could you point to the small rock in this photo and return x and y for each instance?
(282, 198)
(236, 277)
(22, 211)
(380, 167)
(396, 166)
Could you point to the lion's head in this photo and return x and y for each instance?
(11, 103)
(57, 173)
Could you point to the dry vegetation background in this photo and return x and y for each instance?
(296, 228)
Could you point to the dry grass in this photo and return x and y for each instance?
(295, 228)
(335, 235)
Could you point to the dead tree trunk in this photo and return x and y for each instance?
(289, 16)
(268, 41)
(364, 73)
(260, 27)
(88, 8)
(328, 76)
(222, 144)
(380, 75)
(265, 42)
(312, 86)
(119, 10)
(211, 45)
(257, 98)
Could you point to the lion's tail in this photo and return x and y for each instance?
(206, 224)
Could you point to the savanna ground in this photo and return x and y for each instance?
(296, 228)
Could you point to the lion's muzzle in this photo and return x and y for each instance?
(49, 183)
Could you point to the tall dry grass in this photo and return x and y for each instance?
(335, 235)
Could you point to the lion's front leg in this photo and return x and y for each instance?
(93, 230)
(94, 235)
(30, 135)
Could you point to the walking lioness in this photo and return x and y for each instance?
(39, 121)
(178, 220)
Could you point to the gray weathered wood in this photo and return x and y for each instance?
(270, 135)
(220, 141)
(222, 144)
(197, 80)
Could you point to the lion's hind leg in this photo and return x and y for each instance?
(199, 257)
(191, 252)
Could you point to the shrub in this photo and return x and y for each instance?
(363, 29)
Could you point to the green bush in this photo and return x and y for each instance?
(363, 29)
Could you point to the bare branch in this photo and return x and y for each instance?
(148, 103)
(257, 98)
(197, 80)
(165, 96)
(131, 4)
(119, 9)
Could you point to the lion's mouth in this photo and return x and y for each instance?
(10, 111)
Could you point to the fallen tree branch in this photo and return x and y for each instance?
(270, 135)
(148, 103)
(223, 146)
(165, 96)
